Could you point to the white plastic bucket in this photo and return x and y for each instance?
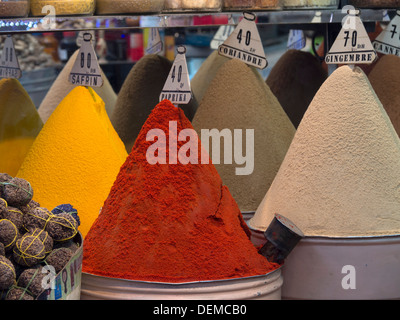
(265, 287)
(343, 268)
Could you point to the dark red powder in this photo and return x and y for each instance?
(170, 222)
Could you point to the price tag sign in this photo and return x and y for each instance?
(154, 44)
(177, 87)
(222, 34)
(245, 43)
(86, 70)
(9, 65)
(297, 40)
(388, 42)
(353, 45)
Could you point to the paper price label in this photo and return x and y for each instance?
(86, 70)
(353, 45)
(297, 40)
(154, 44)
(177, 87)
(245, 44)
(9, 65)
(388, 42)
(222, 34)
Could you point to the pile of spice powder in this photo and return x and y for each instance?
(340, 176)
(239, 99)
(170, 222)
(61, 87)
(207, 71)
(139, 94)
(76, 157)
(19, 125)
(385, 79)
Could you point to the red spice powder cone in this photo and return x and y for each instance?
(170, 222)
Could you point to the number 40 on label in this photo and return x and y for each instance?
(247, 39)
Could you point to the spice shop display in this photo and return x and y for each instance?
(76, 156)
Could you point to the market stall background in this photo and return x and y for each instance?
(85, 137)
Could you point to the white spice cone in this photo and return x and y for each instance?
(341, 174)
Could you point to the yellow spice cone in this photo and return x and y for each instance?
(19, 125)
(76, 157)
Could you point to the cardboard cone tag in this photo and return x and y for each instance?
(177, 87)
(388, 42)
(352, 45)
(9, 65)
(86, 70)
(245, 43)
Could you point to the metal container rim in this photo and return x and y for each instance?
(177, 284)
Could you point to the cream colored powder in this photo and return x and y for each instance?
(62, 87)
(341, 174)
(238, 98)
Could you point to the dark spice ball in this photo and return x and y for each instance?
(62, 227)
(30, 206)
(58, 258)
(8, 234)
(4, 178)
(3, 205)
(7, 273)
(31, 279)
(18, 268)
(29, 251)
(67, 208)
(36, 218)
(70, 244)
(43, 236)
(17, 192)
(16, 293)
(14, 215)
